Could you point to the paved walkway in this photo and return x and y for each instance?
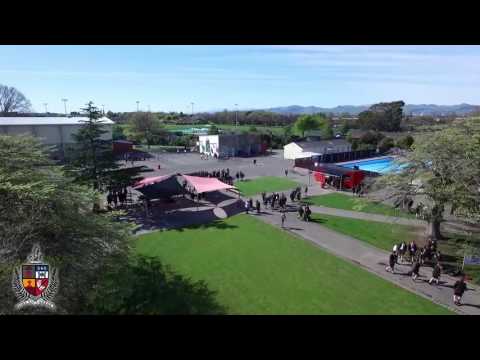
(375, 260)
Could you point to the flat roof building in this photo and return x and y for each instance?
(306, 149)
(51, 130)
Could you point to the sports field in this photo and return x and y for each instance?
(258, 269)
(265, 183)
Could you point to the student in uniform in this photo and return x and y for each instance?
(258, 206)
(415, 272)
(436, 272)
(284, 217)
(392, 259)
(458, 289)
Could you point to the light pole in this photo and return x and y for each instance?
(236, 114)
(65, 105)
(192, 110)
(138, 102)
(45, 104)
(103, 107)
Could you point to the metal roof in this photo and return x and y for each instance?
(26, 120)
(318, 146)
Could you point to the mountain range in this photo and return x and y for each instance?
(409, 109)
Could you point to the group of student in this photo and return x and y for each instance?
(274, 199)
(116, 197)
(297, 194)
(304, 213)
(417, 258)
(223, 175)
(249, 205)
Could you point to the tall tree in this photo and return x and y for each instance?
(309, 122)
(144, 127)
(382, 117)
(40, 204)
(443, 169)
(12, 100)
(91, 161)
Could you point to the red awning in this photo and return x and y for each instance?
(150, 181)
(204, 184)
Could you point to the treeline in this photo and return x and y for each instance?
(260, 118)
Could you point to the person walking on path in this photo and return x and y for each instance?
(436, 272)
(300, 212)
(392, 260)
(284, 217)
(306, 190)
(246, 206)
(257, 204)
(308, 212)
(402, 250)
(458, 289)
(254, 161)
(286, 172)
(264, 195)
(415, 271)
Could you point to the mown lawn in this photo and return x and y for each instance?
(265, 183)
(379, 234)
(256, 268)
(346, 202)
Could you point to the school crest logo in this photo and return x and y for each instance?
(35, 283)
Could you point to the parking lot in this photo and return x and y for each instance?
(171, 163)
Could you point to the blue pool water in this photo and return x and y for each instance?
(382, 166)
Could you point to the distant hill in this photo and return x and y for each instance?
(409, 109)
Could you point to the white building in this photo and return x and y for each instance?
(51, 130)
(224, 145)
(298, 150)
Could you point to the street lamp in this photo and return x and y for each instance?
(236, 114)
(65, 105)
(103, 107)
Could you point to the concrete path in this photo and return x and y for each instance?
(375, 261)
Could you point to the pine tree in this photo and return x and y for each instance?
(92, 161)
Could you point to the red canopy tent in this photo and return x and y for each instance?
(150, 181)
(204, 184)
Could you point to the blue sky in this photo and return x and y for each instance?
(169, 78)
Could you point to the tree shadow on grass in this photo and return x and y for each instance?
(217, 224)
(145, 286)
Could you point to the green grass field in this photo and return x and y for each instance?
(265, 183)
(346, 202)
(378, 234)
(256, 268)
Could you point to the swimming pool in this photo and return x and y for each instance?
(380, 165)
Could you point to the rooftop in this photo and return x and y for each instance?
(48, 120)
(320, 145)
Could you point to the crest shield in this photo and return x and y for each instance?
(35, 278)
